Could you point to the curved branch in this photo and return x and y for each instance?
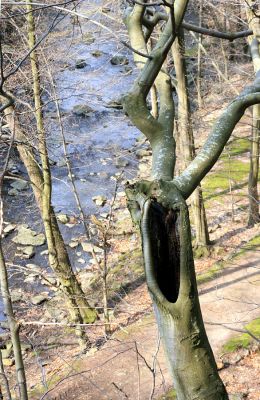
(160, 16)
(210, 152)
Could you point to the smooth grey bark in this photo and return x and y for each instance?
(164, 223)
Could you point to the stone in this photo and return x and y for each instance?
(128, 70)
(142, 153)
(63, 218)
(28, 251)
(88, 38)
(35, 268)
(82, 110)
(6, 353)
(81, 261)
(73, 244)
(142, 167)
(50, 281)
(44, 252)
(80, 64)
(25, 346)
(99, 200)
(39, 299)
(91, 352)
(8, 362)
(121, 162)
(119, 60)
(116, 104)
(9, 228)
(88, 247)
(16, 296)
(13, 192)
(61, 163)
(20, 185)
(30, 278)
(28, 237)
(97, 53)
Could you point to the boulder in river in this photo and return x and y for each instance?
(20, 185)
(80, 64)
(121, 162)
(63, 218)
(28, 237)
(119, 59)
(28, 252)
(99, 200)
(97, 53)
(83, 110)
(88, 38)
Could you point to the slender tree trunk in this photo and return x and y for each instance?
(14, 329)
(186, 139)
(254, 216)
(199, 57)
(58, 256)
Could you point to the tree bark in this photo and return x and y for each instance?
(14, 329)
(253, 212)
(186, 139)
(171, 281)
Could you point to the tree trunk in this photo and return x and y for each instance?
(254, 216)
(254, 24)
(186, 139)
(171, 281)
(58, 256)
(14, 328)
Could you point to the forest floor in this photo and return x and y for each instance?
(123, 367)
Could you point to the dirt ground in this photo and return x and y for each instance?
(128, 366)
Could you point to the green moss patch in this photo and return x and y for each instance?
(170, 395)
(245, 340)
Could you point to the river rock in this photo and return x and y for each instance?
(119, 60)
(39, 299)
(73, 244)
(142, 167)
(61, 163)
(142, 153)
(16, 296)
(63, 218)
(121, 162)
(81, 261)
(27, 236)
(28, 251)
(8, 229)
(34, 268)
(88, 38)
(80, 64)
(83, 110)
(20, 185)
(88, 247)
(97, 53)
(128, 70)
(116, 104)
(13, 192)
(99, 200)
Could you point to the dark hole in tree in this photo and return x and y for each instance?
(165, 247)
